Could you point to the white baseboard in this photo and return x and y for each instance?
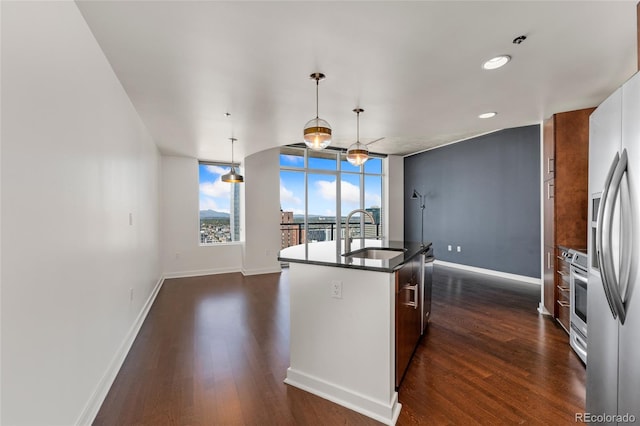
(543, 310)
(523, 278)
(94, 403)
(386, 413)
(260, 271)
(200, 272)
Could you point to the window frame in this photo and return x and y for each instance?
(235, 206)
(340, 156)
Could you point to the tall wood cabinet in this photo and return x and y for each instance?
(565, 180)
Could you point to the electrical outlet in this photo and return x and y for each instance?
(130, 219)
(449, 247)
(459, 249)
(336, 289)
(130, 294)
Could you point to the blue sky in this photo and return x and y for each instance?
(214, 194)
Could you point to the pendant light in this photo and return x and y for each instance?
(233, 176)
(358, 153)
(317, 132)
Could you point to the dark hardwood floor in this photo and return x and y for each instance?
(214, 351)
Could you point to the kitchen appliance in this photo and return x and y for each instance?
(578, 295)
(427, 284)
(613, 370)
(563, 289)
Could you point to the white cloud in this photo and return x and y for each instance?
(372, 199)
(286, 195)
(293, 158)
(349, 192)
(217, 188)
(327, 189)
(218, 170)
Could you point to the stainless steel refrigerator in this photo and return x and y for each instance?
(613, 292)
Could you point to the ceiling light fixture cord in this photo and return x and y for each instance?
(317, 102)
(358, 125)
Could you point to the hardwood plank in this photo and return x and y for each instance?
(214, 350)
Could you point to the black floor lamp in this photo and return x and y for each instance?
(418, 196)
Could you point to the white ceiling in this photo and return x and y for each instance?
(415, 67)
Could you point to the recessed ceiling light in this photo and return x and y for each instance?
(496, 62)
(488, 115)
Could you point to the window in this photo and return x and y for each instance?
(316, 188)
(219, 205)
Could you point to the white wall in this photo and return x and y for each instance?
(262, 212)
(394, 190)
(76, 163)
(182, 254)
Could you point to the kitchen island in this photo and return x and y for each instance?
(344, 320)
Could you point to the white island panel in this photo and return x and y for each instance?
(343, 348)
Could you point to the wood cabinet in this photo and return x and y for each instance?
(565, 179)
(548, 204)
(408, 314)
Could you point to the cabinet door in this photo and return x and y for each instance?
(548, 149)
(549, 280)
(549, 216)
(408, 315)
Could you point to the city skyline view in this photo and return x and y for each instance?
(322, 187)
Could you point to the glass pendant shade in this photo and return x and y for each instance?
(317, 134)
(357, 154)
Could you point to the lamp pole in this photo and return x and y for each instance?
(418, 196)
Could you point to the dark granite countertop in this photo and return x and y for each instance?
(324, 253)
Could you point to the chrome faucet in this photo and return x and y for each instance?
(347, 236)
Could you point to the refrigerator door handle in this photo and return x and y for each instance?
(604, 274)
(609, 210)
(626, 242)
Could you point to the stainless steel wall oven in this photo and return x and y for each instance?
(578, 282)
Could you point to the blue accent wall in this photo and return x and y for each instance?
(482, 194)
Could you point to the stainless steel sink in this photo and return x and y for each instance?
(380, 253)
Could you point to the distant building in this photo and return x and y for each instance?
(371, 230)
(375, 212)
(234, 218)
(291, 233)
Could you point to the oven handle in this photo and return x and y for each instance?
(579, 276)
(581, 345)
